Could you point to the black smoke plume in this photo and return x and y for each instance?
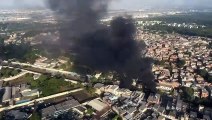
(101, 47)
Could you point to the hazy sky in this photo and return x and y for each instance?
(139, 4)
(117, 4)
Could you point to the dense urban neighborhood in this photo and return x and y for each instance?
(37, 84)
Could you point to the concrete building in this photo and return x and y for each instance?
(154, 98)
(7, 94)
(30, 93)
(55, 110)
(179, 105)
(97, 104)
(16, 115)
(205, 93)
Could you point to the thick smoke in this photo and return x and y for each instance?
(101, 47)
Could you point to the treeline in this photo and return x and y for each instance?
(203, 32)
(26, 26)
(8, 72)
(22, 52)
(201, 18)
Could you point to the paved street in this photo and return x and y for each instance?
(40, 99)
(47, 69)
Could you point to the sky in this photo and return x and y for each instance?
(117, 4)
(142, 4)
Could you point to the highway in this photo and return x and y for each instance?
(24, 72)
(15, 77)
(37, 69)
(47, 69)
(30, 103)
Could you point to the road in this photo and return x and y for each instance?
(50, 70)
(15, 77)
(24, 72)
(47, 69)
(37, 69)
(27, 71)
(30, 103)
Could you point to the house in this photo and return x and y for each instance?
(179, 105)
(36, 76)
(123, 92)
(210, 72)
(110, 98)
(97, 104)
(48, 113)
(207, 111)
(132, 110)
(7, 94)
(142, 106)
(197, 92)
(205, 93)
(110, 88)
(169, 84)
(206, 117)
(200, 79)
(127, 116)
(161, 118)
(171, 115)
(1, 83)
(116, 90)
(210, 91)
(136, 94)
(98, 75)
(187, 84)
(201, 108)
(154, 98)
(80, 109)
(175, 75)
(24, 87)
(16, 94)
(55, 110)
(164, 87)
(161, 110)
(98, 86)
(30, 93)
(169, 105)
(193, 114)
(16, 115)
(155, 107)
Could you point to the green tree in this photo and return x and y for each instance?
(157, 62)
(203, 72)
(14, 72)
(90, 111)
(49, 85)
(90, 90)
(21, 51)
(180, 63)
(35, 116)
(188, 93)
(117, 117)
(7, 72)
